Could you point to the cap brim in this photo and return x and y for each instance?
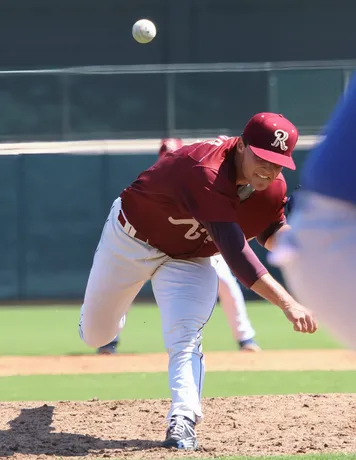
(273, 157)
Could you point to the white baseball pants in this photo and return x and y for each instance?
(318, 260)
(232, 301)
(185, 291)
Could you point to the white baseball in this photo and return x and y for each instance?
(144, 31)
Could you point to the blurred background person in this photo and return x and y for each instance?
(318, 255)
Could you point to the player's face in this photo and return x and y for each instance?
(257, 172)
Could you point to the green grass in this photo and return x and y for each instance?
(53, 331)
(155, 385)
(292, 457)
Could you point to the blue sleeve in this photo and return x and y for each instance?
(330, 167)
(291, 202)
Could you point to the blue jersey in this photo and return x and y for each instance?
(331, 167)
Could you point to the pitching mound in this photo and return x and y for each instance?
(255, 426)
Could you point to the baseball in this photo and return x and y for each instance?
(144, 31)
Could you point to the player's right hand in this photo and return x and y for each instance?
(302, 319)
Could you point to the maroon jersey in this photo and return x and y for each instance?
(169, 145)
(195, 184)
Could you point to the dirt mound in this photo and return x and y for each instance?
(279, 360)
(258, 425)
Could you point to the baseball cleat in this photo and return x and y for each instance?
(249, 346)
(181, 434)
(108, 349)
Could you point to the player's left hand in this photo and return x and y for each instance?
(303, 319)
(291, 202)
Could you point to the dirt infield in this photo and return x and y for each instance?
(286, 360)
(254, 425)
(258, 425)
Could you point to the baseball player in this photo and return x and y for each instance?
(318, 256)
(206, 198)
(230, 294)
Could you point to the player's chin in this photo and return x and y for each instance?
(260, 184)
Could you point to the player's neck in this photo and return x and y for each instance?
(241, 181)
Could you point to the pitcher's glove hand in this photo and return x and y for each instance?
(290, 202)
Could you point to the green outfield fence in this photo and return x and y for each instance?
(152, 101)
(54, 199)
(56, 188)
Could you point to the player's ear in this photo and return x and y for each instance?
(240, 146)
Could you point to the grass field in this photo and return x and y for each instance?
(52, 331)
(292, 457)
(155, 385)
